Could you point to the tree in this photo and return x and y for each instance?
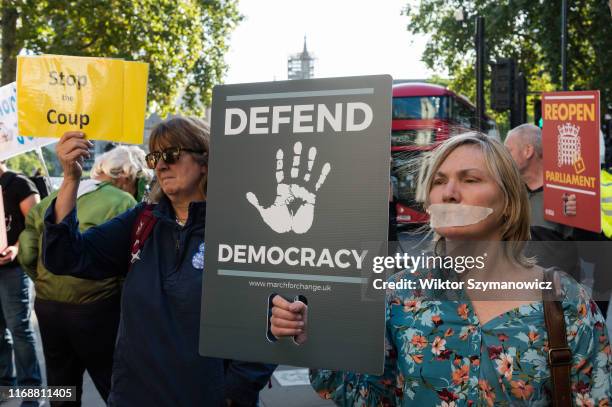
(26, 163)
(526, 30)
(184, 41)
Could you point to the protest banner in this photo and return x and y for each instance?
(297, 205)
(570, 140)
(11, 143)
(104, 98)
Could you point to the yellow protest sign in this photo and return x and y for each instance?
(104, 98)
(134, 98)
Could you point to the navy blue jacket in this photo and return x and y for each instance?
(156, 358)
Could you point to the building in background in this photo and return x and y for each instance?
(301, 65)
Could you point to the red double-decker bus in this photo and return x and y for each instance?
(424, 115)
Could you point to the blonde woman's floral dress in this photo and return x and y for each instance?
(438, 354)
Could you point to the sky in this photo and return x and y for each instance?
(346, 37)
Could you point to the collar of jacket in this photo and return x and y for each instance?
(164, 211)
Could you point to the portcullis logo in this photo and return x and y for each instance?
(569, 147)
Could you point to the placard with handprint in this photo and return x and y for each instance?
(297, 205)
(279, 215)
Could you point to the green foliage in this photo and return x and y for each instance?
(184, 41)
(527, 30)
(26, 163)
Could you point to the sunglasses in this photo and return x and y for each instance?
(170, 155)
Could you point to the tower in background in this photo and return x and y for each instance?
(301, 65)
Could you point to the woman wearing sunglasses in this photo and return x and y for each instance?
(159, 249)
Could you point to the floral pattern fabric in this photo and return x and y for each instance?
(439, 354)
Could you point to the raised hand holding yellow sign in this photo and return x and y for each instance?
(104, 98)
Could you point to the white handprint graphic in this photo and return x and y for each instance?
(278, 215)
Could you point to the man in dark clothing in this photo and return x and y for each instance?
(555, 246)
(19, 195)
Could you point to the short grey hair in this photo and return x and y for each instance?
(531, 135)
(122, 161)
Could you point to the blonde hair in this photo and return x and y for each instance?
(499, 162)
(122, 161)
(186, 132)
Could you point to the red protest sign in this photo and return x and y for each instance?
(570, 141)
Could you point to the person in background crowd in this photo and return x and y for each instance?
(525, 145)
(19, 195)
(462, 350)
(126, 168)
(159, 249)
(78, 318)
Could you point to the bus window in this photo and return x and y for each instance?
(419, 108)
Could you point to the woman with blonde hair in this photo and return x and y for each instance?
(159, 249)
(461, 348)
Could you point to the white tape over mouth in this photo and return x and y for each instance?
(448, 215)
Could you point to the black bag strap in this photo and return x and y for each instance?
(559, 353)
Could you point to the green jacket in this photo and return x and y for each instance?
(104, 202)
